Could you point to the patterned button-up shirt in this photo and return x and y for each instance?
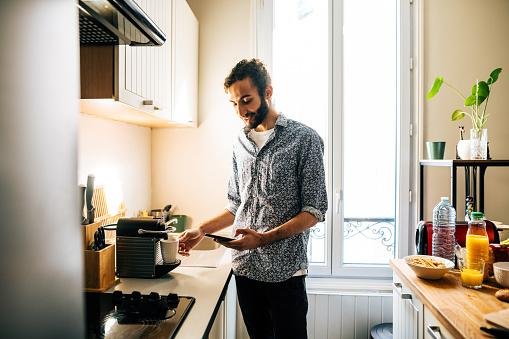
(271, 185)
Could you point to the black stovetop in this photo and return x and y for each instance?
(118, 315)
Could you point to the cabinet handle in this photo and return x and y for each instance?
(147, 102)
(434, 331)
(156, 108)
(397, 287)
(409, 298)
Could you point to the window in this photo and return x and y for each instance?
(342, 67)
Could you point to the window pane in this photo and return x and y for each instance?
(369, 127)
(301, 77)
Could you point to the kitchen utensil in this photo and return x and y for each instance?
(82, 190)
(166, 213)
(89, 196)
(496, 331)
(499, 318)
(99, 239)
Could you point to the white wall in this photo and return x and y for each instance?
(119, 155)
(190, 167)
(465, 40)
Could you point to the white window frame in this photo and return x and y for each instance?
(406, 132)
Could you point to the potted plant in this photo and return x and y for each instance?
(477, 101)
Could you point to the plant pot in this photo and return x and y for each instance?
(479, 144)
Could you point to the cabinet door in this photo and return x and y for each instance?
(185, 64)
(144, 73)
(433, 329)
(407, 312)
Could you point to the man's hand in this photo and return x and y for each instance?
(189, 239)
(250, 239)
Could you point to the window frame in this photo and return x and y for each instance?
(262, 14)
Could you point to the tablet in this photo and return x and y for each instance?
(219, 238)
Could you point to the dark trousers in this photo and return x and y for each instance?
(273, 310)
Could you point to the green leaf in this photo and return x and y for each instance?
(435, 88)
(457, 115)
(494, 75)
(482, 90)
(470, 100)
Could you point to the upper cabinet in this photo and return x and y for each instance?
(149, 86)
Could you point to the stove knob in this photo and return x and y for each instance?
(173, 300)
(136, 297)
(153, 297)
(117, 298)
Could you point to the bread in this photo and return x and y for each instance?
(503, 295)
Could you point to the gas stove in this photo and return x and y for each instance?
(135, 315)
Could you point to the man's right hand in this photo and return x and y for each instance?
(189, 239)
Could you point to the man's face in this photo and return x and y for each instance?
(247, 102)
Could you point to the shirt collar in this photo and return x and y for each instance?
(281, 120)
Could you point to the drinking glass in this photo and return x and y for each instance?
(472, 273)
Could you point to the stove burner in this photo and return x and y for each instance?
(137, 309)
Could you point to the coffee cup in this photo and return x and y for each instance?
(169, 249)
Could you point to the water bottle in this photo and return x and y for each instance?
(444, 226)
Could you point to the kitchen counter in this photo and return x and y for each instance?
(207, 284)
(460, 310)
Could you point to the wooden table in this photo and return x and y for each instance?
(461, 310)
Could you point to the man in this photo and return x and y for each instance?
(275, 194)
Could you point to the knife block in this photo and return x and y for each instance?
(100, 269)
(87, 233)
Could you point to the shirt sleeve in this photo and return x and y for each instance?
(312, 177)
(233, 188)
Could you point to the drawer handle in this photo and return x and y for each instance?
(398, 287)
(148, 102)
(434, 331)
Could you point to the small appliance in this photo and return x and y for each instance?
(138, 248)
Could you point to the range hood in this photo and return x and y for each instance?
(116, 22)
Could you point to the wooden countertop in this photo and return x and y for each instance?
(461, 310)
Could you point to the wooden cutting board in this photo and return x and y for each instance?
(500, 318)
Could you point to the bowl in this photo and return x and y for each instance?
(417, 264)
(501, 271)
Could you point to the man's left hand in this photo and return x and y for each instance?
(250, 239)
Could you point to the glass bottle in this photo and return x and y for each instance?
(477, 239)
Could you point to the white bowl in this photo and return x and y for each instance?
(430, 273)
(501, 271)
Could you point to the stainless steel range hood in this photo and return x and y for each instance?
(116, 22)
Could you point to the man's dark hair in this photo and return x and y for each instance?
(254, 69)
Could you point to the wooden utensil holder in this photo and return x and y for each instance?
(87, 232)
(100, 269)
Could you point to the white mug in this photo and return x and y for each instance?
(169, 249)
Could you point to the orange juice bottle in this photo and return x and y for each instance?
(477, 240)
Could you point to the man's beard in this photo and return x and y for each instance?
(259, 115)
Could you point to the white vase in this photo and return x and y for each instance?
(479, 144)
(463, 148)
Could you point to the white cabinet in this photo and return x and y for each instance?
(433, 329)
(153, 86)
(163, 80)
(407, 312)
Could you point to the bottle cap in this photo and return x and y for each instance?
(477, 215)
